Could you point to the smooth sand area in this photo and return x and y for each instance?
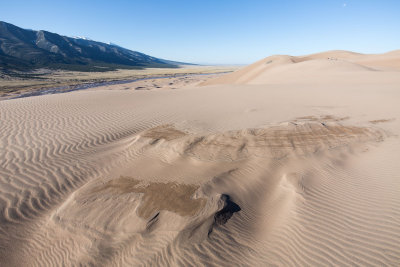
(290, 161)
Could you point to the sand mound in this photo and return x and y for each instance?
(253, 173)
(389, 61)
(300, 137)
(333, 66)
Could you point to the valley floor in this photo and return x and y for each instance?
(44, 81)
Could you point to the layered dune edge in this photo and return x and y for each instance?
(291, 161)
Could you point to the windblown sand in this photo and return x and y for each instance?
(307, 147)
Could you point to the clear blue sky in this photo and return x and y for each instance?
(218, 31)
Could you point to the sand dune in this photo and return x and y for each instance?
(333, 66)
(291, 161)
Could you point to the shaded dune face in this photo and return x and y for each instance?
(223, 215)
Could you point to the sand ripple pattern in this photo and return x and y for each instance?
(305, 195)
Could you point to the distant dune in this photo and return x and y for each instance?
(290, 161)
(337, 66)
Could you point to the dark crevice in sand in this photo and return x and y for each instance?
(152, 222)
(223, 216)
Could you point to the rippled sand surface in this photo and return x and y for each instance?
(291, 161)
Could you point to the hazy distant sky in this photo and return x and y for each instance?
(218, 31)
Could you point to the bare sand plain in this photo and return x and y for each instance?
(290, 161)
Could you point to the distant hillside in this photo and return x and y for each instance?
(25, 50)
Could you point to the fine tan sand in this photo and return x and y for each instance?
(290, 161)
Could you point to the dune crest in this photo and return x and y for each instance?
(333, 66)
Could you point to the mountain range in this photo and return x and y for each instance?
(25, 50)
